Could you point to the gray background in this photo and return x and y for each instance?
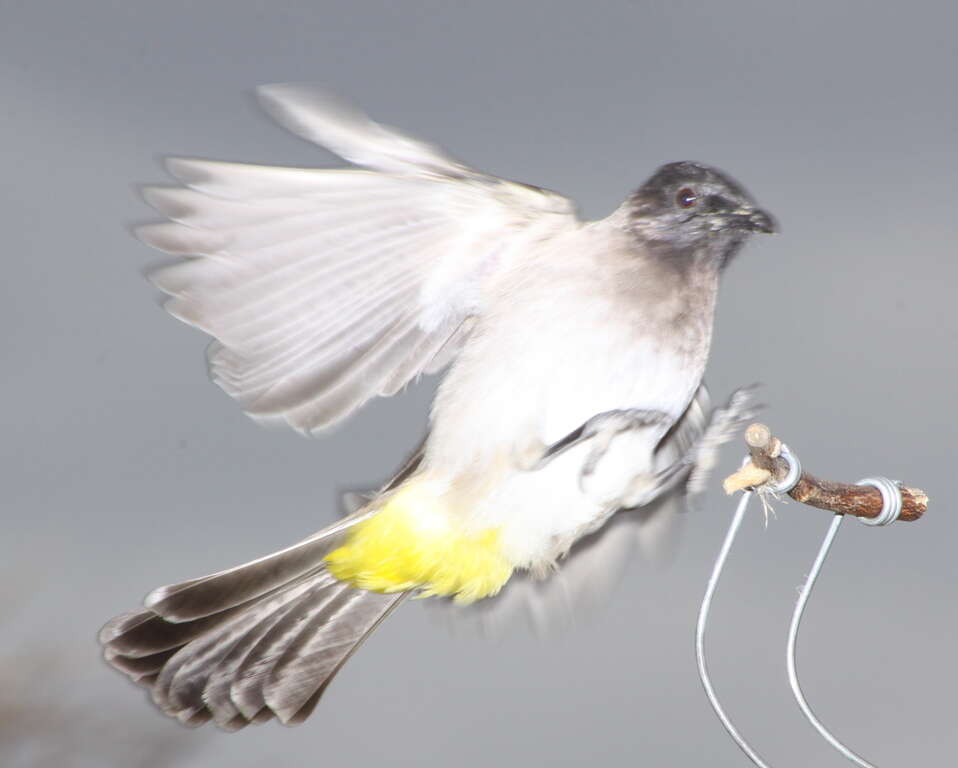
(122, 468)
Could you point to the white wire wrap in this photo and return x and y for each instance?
(703, 622)
(794, 472)
(891, 498)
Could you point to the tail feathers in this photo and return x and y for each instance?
(245, 645)
(212, 594)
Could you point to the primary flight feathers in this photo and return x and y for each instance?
(324, 288)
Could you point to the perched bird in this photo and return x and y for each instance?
(576, 351)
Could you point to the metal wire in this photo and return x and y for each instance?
(891, 509)
(703, 622)
(891, 500)
(793, 640)
(793, 475)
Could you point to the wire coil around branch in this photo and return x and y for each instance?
(784, 475)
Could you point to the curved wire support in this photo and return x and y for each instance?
(703, 623)
(793, 640)
(891, 509)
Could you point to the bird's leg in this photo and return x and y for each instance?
(695, 465)
(645, 488)
(601, 429)
(701, 456)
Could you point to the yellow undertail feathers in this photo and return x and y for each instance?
(412, 543)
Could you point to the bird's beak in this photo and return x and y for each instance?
(758, 220)
(746, 219)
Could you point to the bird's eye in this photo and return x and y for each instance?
(686, 197)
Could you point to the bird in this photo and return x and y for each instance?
(573, 354)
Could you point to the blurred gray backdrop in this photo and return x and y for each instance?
(122, 468)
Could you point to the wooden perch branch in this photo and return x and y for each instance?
(767, 465)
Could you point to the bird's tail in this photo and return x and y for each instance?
(254, 642)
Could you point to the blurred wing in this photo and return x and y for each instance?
(687, 431)
(321, 117)
(324, 288)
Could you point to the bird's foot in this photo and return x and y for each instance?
(724, 424)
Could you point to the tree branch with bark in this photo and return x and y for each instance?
(767, 466)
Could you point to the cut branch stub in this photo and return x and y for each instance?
(844, 498)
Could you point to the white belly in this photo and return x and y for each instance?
(549, 355)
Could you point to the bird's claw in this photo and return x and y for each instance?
(724, 424)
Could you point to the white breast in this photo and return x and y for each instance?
(565, 339)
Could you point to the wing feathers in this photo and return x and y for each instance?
(244, 181)
(364, 380)
(321, 117)
(306, 350)
(324, 288)
(177, 240)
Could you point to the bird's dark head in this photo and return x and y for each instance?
(689, 207)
